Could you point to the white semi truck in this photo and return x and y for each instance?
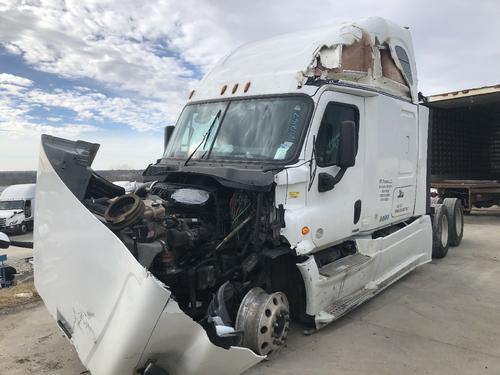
(295, 185)
(17, 208)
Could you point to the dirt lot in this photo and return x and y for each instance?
(441, 319)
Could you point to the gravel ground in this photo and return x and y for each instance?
(31, 343)
(441, 319)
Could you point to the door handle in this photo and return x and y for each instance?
(357, 211)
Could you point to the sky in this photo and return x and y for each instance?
(115, 72)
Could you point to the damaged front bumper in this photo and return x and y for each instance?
(119, 317)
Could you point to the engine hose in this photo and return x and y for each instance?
(233, 232)
(258, 213)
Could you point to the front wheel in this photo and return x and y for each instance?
(440, 232)
(264, 320)
(23, 228)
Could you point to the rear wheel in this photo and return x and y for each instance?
(440, 232)
(456, 220)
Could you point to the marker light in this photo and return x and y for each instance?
(247, 86)
(305, 230)
(235, 87)
(191, 94)
(223, 89)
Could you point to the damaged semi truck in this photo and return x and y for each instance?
(294, 186)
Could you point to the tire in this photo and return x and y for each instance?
(23, 228)
(440, 232)
(455, 219)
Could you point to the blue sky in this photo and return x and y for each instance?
(116, 72)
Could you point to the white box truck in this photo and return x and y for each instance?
(17, 208)
(295, 185)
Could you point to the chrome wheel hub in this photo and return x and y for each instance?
(265, 321)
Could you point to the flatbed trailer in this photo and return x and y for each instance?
(465, 146)
(473, 193)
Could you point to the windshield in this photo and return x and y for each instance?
(266, 129)
(11, 205)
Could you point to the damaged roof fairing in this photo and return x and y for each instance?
(366, 53)
(285, 64)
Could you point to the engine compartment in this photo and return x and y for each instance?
(214, 247)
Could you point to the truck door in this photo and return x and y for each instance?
(391, 167)
(335, 212)
(403, 202)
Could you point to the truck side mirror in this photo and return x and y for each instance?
(4, 241)
(167, 135)
(326, 182)
(348, 144)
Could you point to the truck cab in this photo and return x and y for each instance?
(17, 208)
(293, 187)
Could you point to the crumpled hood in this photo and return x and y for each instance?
(116, 313)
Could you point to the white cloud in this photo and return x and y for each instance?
(16, 103)
(20, 130)
(9, 79)
(111, 42)
(17, 130)
(144, 46)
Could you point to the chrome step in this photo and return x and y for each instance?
(349, 263)
(344, 305)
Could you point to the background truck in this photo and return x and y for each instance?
(294, 186)
(17, 208)
(465, 138)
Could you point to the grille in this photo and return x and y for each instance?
(2, 222)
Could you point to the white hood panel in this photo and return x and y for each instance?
(5, 214)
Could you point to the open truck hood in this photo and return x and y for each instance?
(118, 316)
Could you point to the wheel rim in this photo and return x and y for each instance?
(265, 321)
(459, 222)
(444, 231)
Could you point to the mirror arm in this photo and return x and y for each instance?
(339, 175)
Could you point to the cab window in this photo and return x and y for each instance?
(405, 62)
(328, 139)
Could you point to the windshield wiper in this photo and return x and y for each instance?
(205, 137)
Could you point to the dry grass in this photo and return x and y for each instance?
(8, 295)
